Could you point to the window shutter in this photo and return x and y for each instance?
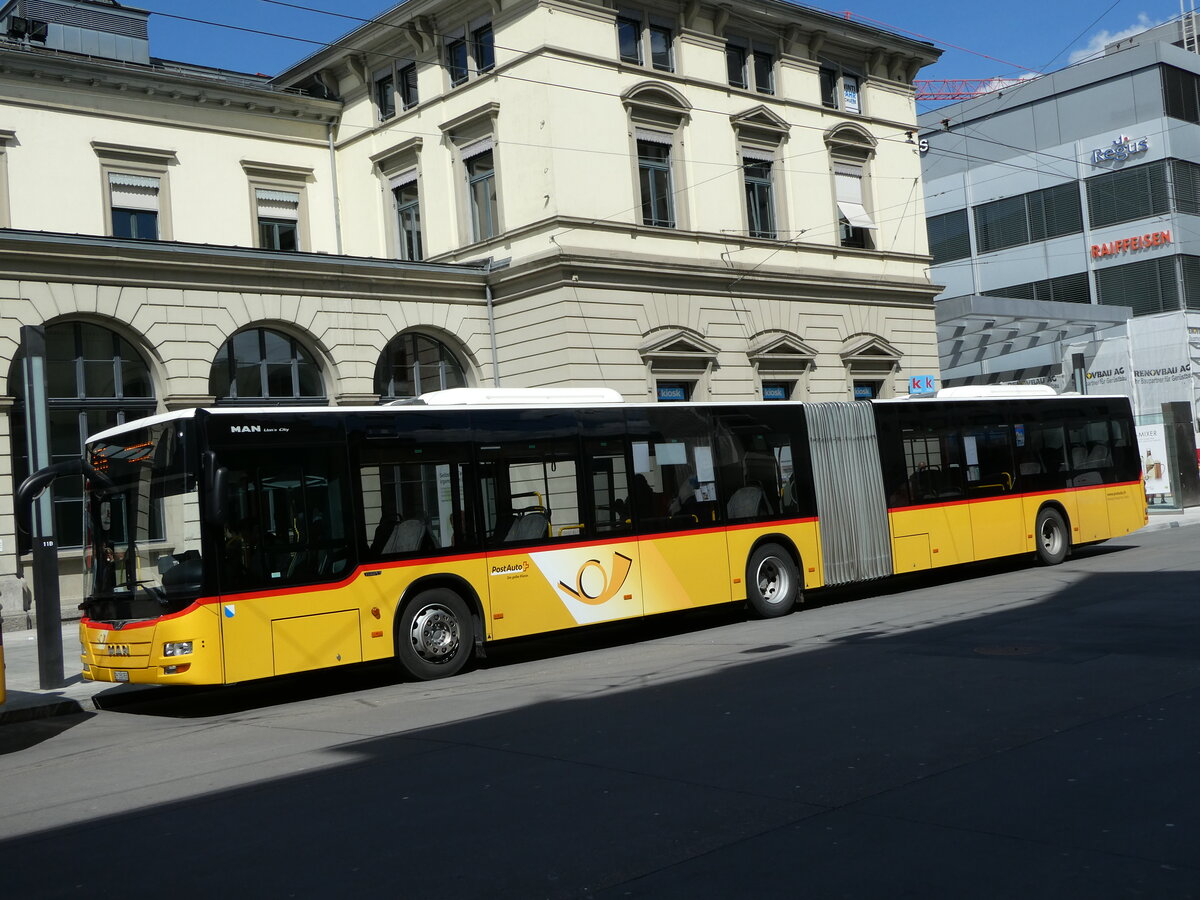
(402, 180)
(848, 179)
(133, 191)
(758, 155)
(277, 204)
(470, 151)
(654, 137)
(949, 237)
(1001, 223)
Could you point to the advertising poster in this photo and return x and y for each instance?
(1152, 445)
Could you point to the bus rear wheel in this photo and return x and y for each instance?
(772, 582)
(434, 635)
(1051, 535)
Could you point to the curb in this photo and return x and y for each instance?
(40, 711)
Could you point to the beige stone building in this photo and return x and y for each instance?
(673, 199)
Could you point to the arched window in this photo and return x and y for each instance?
(95, 379)
(414, 364)
(259, 365)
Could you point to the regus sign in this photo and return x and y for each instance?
(1122, 148)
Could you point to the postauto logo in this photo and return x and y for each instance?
(608, 585)
(589, 584)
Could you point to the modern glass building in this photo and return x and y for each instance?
(1064, 222)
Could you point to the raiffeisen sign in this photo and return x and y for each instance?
(1122, 148)
(1137, 242)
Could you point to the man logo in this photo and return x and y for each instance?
(587, 590)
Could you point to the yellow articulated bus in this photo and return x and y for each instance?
(231, 544)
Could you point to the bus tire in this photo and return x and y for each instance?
(1053, 540)
(434, 634)
(772, 582)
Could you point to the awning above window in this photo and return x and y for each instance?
(470, 151)
(757, 154)
(850, 196)
(654, 137)
(132, 191)
(404, 179)
(277, 204)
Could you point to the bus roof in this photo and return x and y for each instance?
(565, 398)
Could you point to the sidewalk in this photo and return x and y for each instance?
(26, 700)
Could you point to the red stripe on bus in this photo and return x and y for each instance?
(1050, 493)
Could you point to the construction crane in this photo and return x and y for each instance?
(961, 88)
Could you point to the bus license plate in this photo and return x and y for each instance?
(121, 675)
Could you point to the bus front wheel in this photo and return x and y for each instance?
(434, 636)
(1052, 539)
(772, 582)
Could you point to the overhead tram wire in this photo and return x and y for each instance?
(733, 167)
(559, 85)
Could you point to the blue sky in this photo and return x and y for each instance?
(1019, 37)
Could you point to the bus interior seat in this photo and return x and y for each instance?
(1078, 456)
(406, 536)
(747, 502)
(1087, 478)
(1031, 467)
(1098, 457)
(528, 526)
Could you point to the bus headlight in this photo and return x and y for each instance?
(177, 648)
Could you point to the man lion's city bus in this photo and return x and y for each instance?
(226, 545)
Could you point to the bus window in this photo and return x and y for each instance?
(933, 466)
(1091, 452)
(530, 492)
(413, 501)
(287, 521)
(674, 470)
(987, 452)
(757, 466)
(608, 467)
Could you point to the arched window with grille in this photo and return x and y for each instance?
(414, 364)
(259, 365)
(95, 379)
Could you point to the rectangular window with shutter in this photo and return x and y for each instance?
(1054, 211)
(1063, 289)
(1134, 193)
(408, 86)
(1147, 287)
(1181, 94)
(1001, 223)
(134, 203)
(278, 219)
(949, 237)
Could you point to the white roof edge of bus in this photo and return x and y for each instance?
(991, 391)
(142, 423)
(522, 397)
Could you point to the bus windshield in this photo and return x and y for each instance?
(144, 552)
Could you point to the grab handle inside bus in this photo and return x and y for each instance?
(218, 490)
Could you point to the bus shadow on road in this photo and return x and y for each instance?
(906, 763)
(214, 701)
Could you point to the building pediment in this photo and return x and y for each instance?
(760, 119)
(678, 343)
(868, 348)
(781, 348)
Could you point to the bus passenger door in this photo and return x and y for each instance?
(681, 534)
(997, 512)
(560, 551)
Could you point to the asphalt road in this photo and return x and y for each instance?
(1015, 731)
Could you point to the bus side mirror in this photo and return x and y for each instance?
(218, 491)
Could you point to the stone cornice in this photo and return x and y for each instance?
(152, 264)
(165, 85)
